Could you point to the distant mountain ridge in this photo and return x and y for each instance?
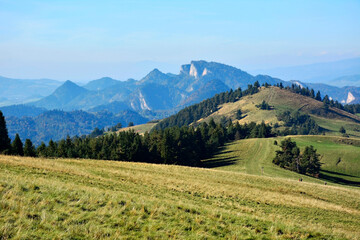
(19, 91)
(158, 91)
(324, 72)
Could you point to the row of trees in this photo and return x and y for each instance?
(289, 157)
(184, 146)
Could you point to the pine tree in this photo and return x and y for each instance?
(310, 161)
(318, 96)
(29, 149)
(17, 146)
(41, 150)
(4, 137)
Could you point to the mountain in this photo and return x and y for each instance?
(317, 73)
(62, 97)
(207, 90)
(101, 84)
(157, 91)
(155, 76)
(18, 91)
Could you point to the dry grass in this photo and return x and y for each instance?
(281, 100)
(88, 199)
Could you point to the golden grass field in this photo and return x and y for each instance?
(92, 199)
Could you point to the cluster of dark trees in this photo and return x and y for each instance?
(15, 147)
(183, 146)
(263, 105)
(352, 108)
(203, 109)
(289, 157)
(297, 123)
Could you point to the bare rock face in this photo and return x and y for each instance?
(195, 69)
(350, 98)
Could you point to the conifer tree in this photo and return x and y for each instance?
(17, 146)
(318, 96)
(4, 137)
(29, 149)
(41, 150)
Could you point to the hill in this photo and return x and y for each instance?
(339, 157)
(83, 199)
(282, 100)
(62, 96)
(101, 84)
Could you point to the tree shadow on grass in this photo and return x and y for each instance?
(337, 173)
(219, 162)
(324, 175)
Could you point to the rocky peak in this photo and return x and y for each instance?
(195, 69)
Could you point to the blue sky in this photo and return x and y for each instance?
(82, 40)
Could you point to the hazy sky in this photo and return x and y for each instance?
(83, 40)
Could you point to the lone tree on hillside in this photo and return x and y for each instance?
(17, 146)
(263, 105)
(4, 137)
(238, 114)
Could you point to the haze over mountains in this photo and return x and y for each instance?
(338, 73)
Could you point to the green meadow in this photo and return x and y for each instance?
(93, 199)
(340, 158)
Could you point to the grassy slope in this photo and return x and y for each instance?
(254, 156)
(82, 199)
(141, 129)
(282, 99)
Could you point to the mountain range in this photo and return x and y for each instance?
(159, 91)
(155, 96)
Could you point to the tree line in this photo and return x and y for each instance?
(185, 145)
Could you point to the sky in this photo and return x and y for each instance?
(83, 40)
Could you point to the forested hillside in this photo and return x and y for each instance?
(58, 124)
